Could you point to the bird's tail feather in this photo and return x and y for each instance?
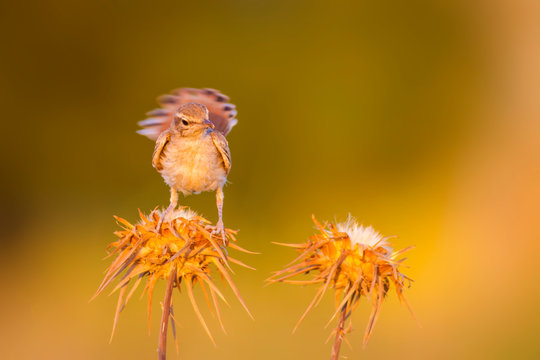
(221, 113)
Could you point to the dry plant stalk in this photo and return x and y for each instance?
(355, 261)
(184, 249)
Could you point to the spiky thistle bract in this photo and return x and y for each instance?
(356, 262)
(184, 250)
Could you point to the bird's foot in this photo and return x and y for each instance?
(164, 217)
(158, 227)
(219, 232)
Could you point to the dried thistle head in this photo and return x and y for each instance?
(183, 250)
(352, 259)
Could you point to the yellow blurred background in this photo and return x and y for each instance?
(420, 118)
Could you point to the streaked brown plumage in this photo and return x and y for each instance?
(191, 151)
(221, 113)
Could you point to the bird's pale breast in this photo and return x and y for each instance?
(192, 165)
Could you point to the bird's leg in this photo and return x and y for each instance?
(219, 226)
(172, 206)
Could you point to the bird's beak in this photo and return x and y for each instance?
(208, 124)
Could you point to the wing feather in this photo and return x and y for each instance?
(223, 148)
(161, 143)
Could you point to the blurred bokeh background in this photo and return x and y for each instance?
(418, 117)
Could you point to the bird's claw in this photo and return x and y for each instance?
(158, 227)
(219, 231)
(165, 216)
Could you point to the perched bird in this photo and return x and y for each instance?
(191, 151)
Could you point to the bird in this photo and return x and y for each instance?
(191, 151)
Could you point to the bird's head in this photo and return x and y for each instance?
(191, 119)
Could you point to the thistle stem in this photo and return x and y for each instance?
(162, 347)
(339, 333)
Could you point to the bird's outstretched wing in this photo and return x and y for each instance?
(161, 142)
(221, 113)
(223, 148)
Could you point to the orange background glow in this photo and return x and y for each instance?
(420, 118)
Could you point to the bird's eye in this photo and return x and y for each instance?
(184, 121)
